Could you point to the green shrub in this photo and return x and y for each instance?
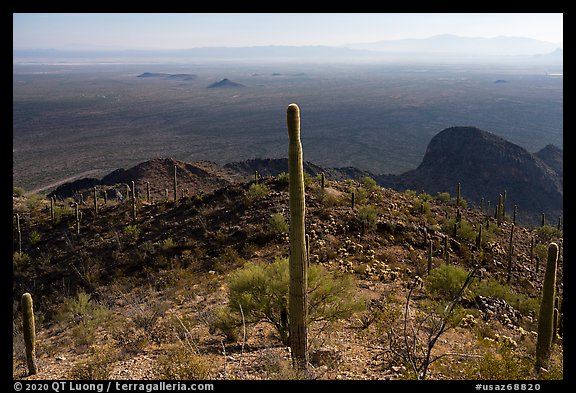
(277, 224)
(167, 244)
(446, 280)
(443, 196)
(132, 231)
(34, 238)
(547, 233)
(369, 184)
(18, 191)
(505, 364)
(260, 293)
(283, 178)
(256, 192)
(368, 216)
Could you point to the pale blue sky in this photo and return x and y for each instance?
(177, 31)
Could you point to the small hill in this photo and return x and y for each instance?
(486, 165)
(269, 167)
(225, 84)
(178, 77)
(197, 177)
(553, 157)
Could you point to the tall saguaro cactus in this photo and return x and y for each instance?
(95, 202)
(297, 304)
(175, 185)
(29, 331)
(133, 203)
(546, 318)
(19, 233)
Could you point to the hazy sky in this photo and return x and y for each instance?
(175, 31)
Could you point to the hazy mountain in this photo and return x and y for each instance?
(452, 44)
(179, 77)
(439, 48)
(225, 84)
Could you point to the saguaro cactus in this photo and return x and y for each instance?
(546, 318)
(148, 191)
(510, 254)
(77, 218)
(430, 251)
(29, 331)
(175, 185)
(458, 194)
(479, 238)
(95, 202)
(298, 308)
(133, 202)
(52, 209)
(19, 233)
(353, 200)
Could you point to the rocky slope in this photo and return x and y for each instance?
(487, 165)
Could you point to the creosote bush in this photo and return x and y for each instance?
(260, 293)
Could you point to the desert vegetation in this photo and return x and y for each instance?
(198, 288)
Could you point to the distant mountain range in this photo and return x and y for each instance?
(484, 164)
(439, 48)
(453, 44)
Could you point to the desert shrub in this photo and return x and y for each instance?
(20, 259)
(85, 315)
(505, 364)
(445, 281)
(18, 191)
(167, 244)
(443, 196)
(369, 184)
(420, 207)
(97, 367)
(34, 202)
(259, 292)
(283, 178)
(132, 232)
(182, 363)
(547, 233)
(34, 237)
(277, 224)
(368, 216)
(255, 192)
(464, 229)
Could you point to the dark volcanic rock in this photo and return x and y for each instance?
(269, 167)
(225, 83)
(486, 165)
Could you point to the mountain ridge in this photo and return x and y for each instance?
(485, 164)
